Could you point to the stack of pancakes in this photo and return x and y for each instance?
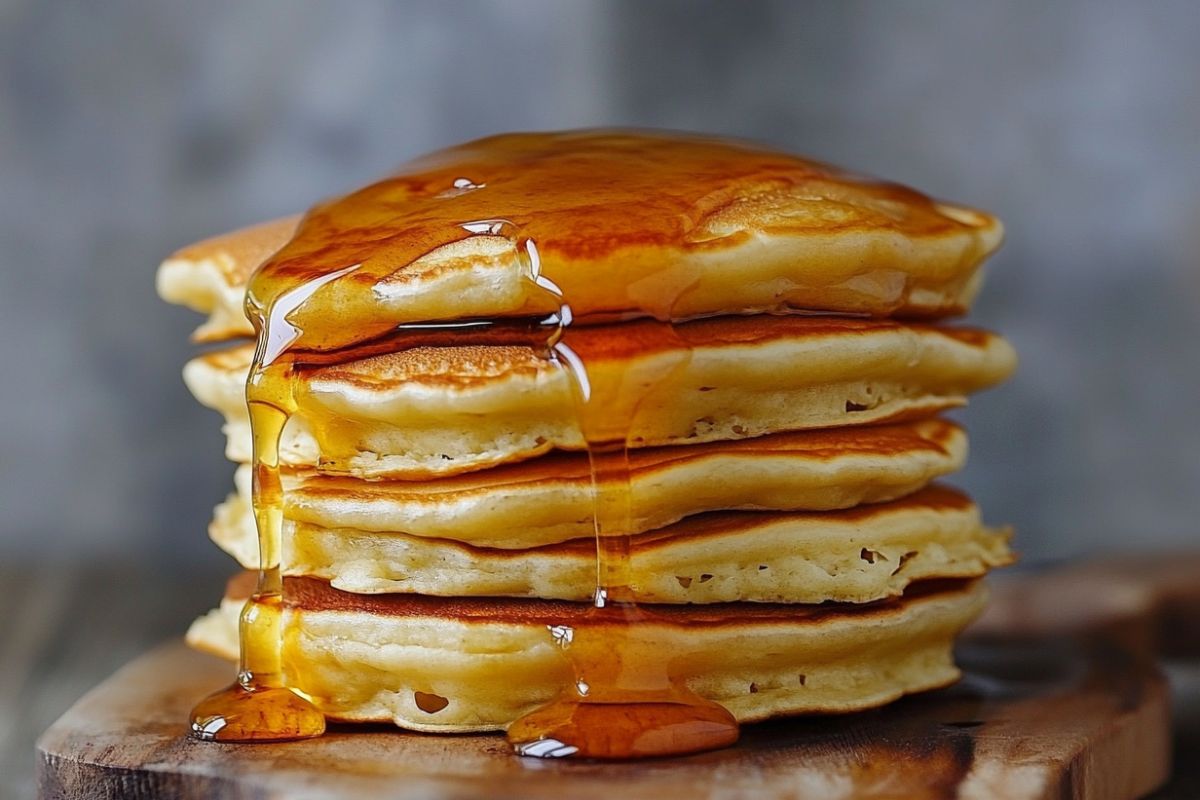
(439, 505)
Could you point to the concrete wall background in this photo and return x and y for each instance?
(130, 128)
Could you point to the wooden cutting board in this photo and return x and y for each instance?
(1061, 698)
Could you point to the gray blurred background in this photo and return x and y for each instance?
(128, 129)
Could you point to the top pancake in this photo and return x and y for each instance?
(623, 223)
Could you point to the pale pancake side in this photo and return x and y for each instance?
(210, 276)
(371, 659)
(465, 409)
(550, 499)
(857, 555)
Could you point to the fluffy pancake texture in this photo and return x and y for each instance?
(742, 229)
(856, 555)
(398, 657)
(210, 276)
(549, 499)
(444, 411)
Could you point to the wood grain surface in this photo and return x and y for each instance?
(1032, 720)
(1045, 710)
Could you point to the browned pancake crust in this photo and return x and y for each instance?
(239, 252)
(312, 594)
(460, 363)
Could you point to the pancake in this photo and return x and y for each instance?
(723, 227)
(856, 555)
(452, 665)
(428, 412)
(550, 499)
(210, 276)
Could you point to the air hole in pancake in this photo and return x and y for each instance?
(430, 703)
(904, 559)
(761, 567)
(684, 581)
(705, 578)
(870, 556)
(754, 688)
(852, 406)
(803, 679)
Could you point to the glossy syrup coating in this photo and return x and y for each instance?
(624, 223)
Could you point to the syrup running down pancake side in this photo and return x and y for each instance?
(519, 212)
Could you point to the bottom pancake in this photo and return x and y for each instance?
(458, 665)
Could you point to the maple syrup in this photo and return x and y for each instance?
(349, 285)
(258, 706)
(624, 701)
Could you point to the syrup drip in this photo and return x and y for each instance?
(624, 702)
(258, 706)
